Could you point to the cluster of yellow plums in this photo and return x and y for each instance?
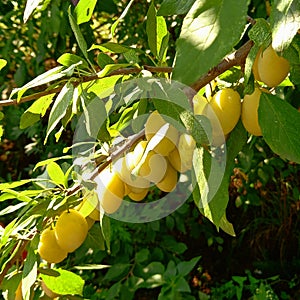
(66, 236)
(153, 161)
(225, 108)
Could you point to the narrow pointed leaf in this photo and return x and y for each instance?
(51, 75)
(156, 30)
(59, 107)
(31, 5)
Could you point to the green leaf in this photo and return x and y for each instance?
(51, 75)
(211, 202)
(117, 271)
(110, 68)
(95, 239)
(285, 22)
(64, 283)
(104, 59)
(3, 63)
(102, 87)
(114, 291)
(84, 10)
(196, 125)
(280, 123)
(226, 226)
(31, 5)
(78, 35)
(185, 267)
(142, 255)
(29, 271)
(69, 59)
(56, 174)
(47, 161)
(35, 111)
(171, 271)
(59, 108)
(175, 7)
(106, 231)
(92, 267)
(12, 185)
(260, 33)
(111, 47)
(156, 30)
(94, 115)
(154, 268)
(124, 13)
(125, 118)
(12, 208)
(209, 32)
(182, 285)
(19, 195)
(10, 284)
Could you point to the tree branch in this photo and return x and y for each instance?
(237, 58)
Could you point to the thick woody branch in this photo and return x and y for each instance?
(236, 58)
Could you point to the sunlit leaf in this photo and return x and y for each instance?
(31, 5)
(156, 31)
(124, 13)
(111, 47)
(35, 111)
(285, 22)
(59, 108)
(55, 173)
(84, 10)
(51, 75)
(47, 161)
(69, 59)
(3, 63)
(65, 283)
(210, 30)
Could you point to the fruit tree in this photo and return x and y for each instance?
(153, 110)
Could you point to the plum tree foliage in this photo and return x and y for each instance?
(151, 110)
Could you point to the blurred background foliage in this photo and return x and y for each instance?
(264, 257)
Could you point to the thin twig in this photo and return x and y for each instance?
(115, 153)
